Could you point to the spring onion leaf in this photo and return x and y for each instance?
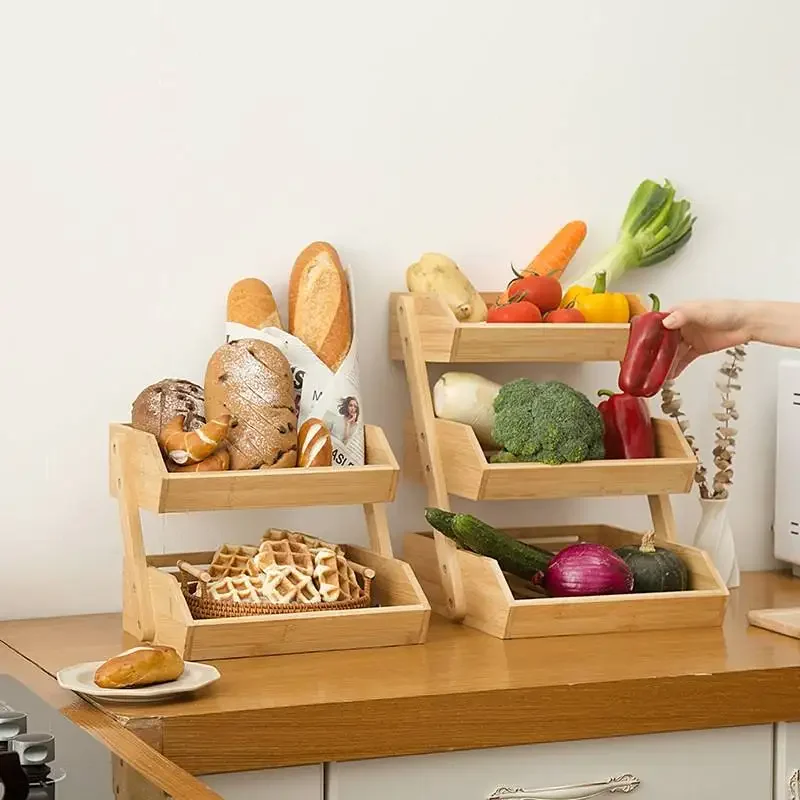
(655, 226)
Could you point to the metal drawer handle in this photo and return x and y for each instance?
(624, 784)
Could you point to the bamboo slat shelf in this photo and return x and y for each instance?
(445, 340)
(163, 492)
(448, 457)
(493, 608)
(154, 608)
(468, 474)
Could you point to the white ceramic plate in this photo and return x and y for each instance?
(80, 679)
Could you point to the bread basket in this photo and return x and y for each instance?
(194, 586)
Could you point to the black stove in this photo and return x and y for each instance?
(44, 756)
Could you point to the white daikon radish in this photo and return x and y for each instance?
(467, 398)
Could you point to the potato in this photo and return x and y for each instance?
(437, 274)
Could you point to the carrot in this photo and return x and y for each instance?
(559, 251)
(556, 254)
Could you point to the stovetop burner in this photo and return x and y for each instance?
(32, 767)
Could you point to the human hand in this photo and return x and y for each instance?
(707, 327)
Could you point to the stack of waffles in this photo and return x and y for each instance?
(287, 567)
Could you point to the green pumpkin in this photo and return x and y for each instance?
(655, 569)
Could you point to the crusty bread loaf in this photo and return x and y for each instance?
(319, 304)
(314, 444)
(161, 402)
(251, 380)
(250, 302)
(144, 665)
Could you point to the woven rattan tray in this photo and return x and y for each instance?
(194, 586)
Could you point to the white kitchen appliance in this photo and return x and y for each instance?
(786, 525)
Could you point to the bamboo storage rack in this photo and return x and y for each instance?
(447, 456)
(154, 609)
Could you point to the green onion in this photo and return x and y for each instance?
(655, 226)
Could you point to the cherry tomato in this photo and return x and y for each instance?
(564, 315)
(541, 290)
(514, 311)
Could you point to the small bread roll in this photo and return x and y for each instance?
(314, 444)
(144, 665)
(161, 402)
(250, 302)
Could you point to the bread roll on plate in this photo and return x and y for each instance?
(319, 304)
(144, 665)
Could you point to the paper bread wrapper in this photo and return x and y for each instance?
(318, 391)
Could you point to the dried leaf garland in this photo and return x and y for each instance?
(724, 433)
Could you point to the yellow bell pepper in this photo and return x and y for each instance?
(601, 306)
(572, 294)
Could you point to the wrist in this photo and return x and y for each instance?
(757, 316)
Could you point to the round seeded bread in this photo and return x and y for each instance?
(252, 381)
(159, 403)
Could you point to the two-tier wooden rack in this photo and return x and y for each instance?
(447, 456)
(154, 608)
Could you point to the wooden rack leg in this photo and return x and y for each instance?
(135, 583)
(663, 517)
(427, 443)
(378, 529)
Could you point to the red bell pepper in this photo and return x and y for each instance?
(627, 425)
(650, 353)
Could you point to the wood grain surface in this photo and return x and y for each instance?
(460, 690)
(132, 746)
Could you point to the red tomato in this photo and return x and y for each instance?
(515, 311)
(564, 315)
(541, 290)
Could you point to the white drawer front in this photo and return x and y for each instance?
(787, 761)
(299, 783)
(734, 764)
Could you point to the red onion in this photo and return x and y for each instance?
(587, 569)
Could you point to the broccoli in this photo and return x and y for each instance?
(548, 422)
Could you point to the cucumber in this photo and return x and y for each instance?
(440, 519)
(520, 559)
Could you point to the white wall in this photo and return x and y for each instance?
(152, 153)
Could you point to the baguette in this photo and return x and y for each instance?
(319, 304)
(250, 302)
(144, 665)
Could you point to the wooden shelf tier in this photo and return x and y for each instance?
(468, 473)
(492, 607)
(444, 340)
(163, 492)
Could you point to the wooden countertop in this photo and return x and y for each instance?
(461, 690)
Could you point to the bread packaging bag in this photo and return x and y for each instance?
(320, 392)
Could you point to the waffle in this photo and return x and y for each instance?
(232, 560)
(238, 589)
(313, 544)
(335, 577)
(284, 553)
(287, 584)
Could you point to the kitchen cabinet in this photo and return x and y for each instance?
(732, 763)
(787, 761)
(299, 783)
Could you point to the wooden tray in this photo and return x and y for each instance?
(445, 340)
(468, 474)
(401, 618)
(163, 492)
(492, 608)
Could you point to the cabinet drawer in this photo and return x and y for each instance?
(787, 761)
(299, 783)
(734, 763)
